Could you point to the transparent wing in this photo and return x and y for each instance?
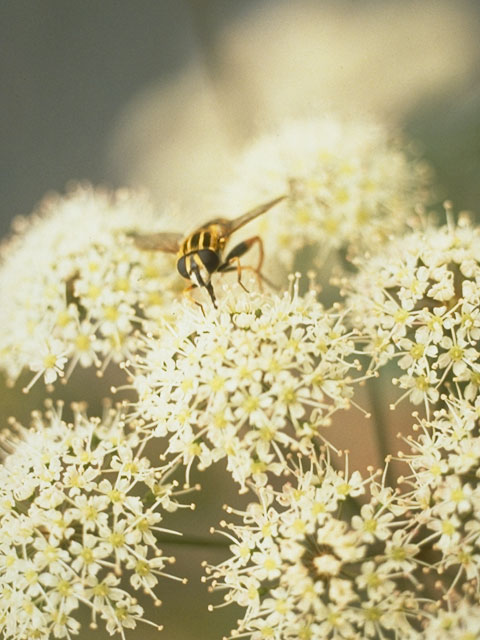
(229, 226)
(168, 242)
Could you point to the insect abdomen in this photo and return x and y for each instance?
(203, 248)
(203, 257)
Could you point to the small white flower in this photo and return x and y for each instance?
(49, 361)
(373, 523)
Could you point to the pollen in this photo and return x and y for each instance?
(82, 342)
(217, 383)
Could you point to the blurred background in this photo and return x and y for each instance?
(163, 94)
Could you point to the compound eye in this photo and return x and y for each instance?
(209, 259)
(182, 268)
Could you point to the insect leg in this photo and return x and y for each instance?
(187, 293)
(235, 254)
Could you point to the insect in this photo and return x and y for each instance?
(200, 254)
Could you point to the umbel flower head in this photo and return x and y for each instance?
(81, 507)
(302, 567)
(73, 287)
(248, 382)
(418, 301)
(350, 186)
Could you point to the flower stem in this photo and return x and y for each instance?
(378, 415)
(194, 541)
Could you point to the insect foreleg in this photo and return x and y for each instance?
(187, 293)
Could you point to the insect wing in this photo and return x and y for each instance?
(232, 225)
(168, 242)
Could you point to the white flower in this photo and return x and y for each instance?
(48, 360)
(373, 523)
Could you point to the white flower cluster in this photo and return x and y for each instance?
(300, 570)
(405, 565)
(350, 187)
(320, 553)
(80, 507)
(444, 494)
(73, 287)
(248, 383)
(418, 300)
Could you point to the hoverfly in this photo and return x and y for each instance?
(200, 254)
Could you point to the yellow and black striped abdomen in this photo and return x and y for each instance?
(202, 248)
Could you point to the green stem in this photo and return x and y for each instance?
(194, 541)
(378, 416)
